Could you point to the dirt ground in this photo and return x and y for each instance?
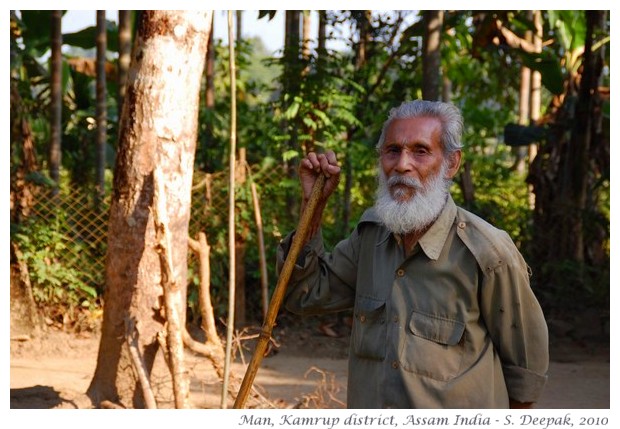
(307, 369)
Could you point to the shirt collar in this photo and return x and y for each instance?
(433, 240)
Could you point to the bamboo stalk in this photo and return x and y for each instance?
(231, 211)
(280, 290)
(261, 249)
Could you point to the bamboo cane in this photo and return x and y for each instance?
(280, 290)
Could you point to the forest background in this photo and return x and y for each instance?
(533, 87)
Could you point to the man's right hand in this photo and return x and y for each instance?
(310, 168)
(313, 165)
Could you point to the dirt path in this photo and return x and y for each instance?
(54, 371)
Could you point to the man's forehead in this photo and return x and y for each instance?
(406, 130)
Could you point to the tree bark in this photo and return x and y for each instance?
(431, 55)
(524, 106)
(290, 85)
(101, 107)
(210, 75)
(124, 54)
(158, 129)
(174, 295)
(55, 156)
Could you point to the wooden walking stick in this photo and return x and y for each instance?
(280, 290)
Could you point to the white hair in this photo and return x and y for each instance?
(448, 114)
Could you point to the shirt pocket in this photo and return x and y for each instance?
(433, 346)
(369, 329)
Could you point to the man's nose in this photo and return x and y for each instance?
(404, 162)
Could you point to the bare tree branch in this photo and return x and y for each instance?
(131, 336)
(172, 294)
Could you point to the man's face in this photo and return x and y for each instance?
(412, 149)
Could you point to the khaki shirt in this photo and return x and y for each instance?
(454, 325)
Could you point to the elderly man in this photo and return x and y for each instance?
(444, 316)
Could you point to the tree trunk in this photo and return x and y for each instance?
(124, 54)
(210, 74)
(158, 129)
(239, 22)
(290, 85)
(535, 96)
(306, 39)
(101, 108)
(322, 31)
(55, 157)
(431, 55)
(524, 106)
(361, 57)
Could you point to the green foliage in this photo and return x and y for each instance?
(550, 70)
(44, 244)
(575, 287)
(36, 31)
(29, 71)
(501, 194)
(86, 38)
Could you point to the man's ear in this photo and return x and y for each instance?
(454, 162)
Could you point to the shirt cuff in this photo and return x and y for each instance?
(523, 384)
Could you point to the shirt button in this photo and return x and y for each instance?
(395, 364)
(400, 272)
(395, 318)
(461, 225)
(362, 318)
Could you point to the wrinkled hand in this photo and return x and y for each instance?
(310, 168)
(313, 165)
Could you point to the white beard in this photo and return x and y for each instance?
(420, 210)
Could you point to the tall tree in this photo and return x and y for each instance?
(363, 20)
(525, 90)
(290, 86)
(321, 36)
(210, 75)
(158, 131)
(431, 54)
(101, 107)
(55, 153)
(536, 84)
(124, 53)
(292, 73)
(305, 43)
